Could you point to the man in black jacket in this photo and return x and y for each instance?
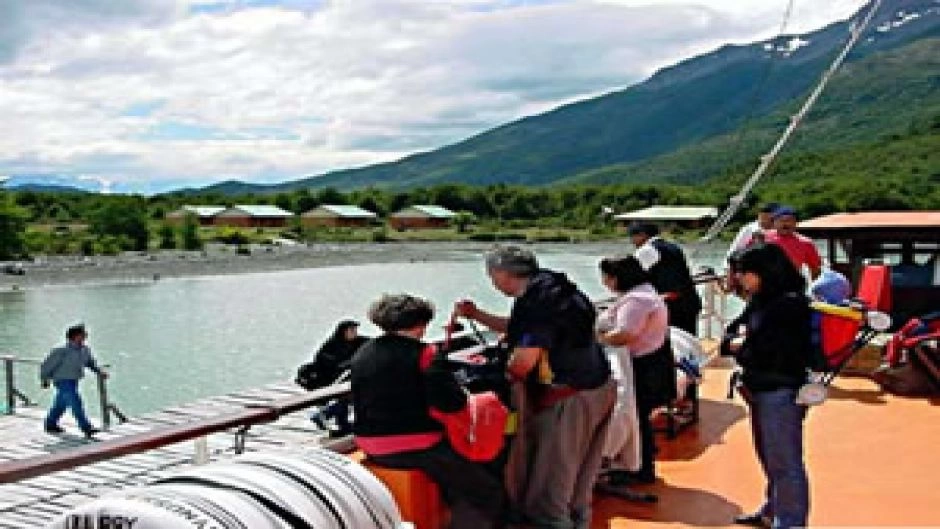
(569, 395)
(669, 270)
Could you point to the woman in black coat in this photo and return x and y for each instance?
(331, 362)
(771, 341)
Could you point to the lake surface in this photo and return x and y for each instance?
(177, 340)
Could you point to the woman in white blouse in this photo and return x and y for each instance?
(636, 326)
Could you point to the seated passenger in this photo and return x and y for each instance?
(331, 363)
(392, 397)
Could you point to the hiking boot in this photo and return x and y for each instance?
(318, 419)
(54, 430)
(752, 520)
(90, 433)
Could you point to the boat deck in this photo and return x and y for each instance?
(873, 460)
(34, 502)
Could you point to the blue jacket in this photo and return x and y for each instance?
(67, 363)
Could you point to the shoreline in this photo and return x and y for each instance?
(218, 260)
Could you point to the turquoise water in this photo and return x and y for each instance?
(177, 340)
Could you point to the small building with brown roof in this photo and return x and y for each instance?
(421, 217)
(337, 216)
(204, 214)
(244, 216)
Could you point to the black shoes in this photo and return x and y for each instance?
(752, 520)
(54, 430)
(89, 433)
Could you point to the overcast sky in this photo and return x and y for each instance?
(153, 94)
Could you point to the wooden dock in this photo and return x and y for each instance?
(35, 502)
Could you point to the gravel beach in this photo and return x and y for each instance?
(220, 260)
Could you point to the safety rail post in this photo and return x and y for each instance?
(11, 389)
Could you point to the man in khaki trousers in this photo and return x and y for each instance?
(563, 387)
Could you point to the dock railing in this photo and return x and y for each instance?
(714, 313)
(14, 396)
(239, 421)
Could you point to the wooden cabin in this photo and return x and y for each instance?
(421, 217)
(204, 214)
(337, 216)
(243, 216)
(907, 241)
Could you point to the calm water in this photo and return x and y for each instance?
(176, 340)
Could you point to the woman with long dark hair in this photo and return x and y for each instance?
(772, 344)
(638, 320)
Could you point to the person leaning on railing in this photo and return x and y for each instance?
(65, 367)
(392, 396)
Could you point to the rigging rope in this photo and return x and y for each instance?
(796, 120)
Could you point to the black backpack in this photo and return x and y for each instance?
(310, 377)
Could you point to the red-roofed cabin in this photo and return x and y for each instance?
(907, 241)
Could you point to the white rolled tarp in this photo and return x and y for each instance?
(305, 489)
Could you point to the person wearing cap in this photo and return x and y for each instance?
(564, 381)
(669, 271)
(331, 362)
(760, 226)
(800, 249)
(64, 367)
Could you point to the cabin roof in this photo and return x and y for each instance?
(874, 219)
(668, 213)
(199, 211)
(257, 211)
(333, 210)
(424, 211)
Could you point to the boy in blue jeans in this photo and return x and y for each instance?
(64, 367)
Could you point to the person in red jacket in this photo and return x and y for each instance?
(800, 249)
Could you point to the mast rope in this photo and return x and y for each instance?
(737, 201)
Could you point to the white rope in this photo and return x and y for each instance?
(737, 200)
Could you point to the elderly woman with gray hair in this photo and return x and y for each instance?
(392, 395)
(568, 392)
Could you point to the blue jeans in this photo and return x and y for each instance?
(339, 411)
(777, 424)
(66, 396)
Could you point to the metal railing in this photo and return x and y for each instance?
(240, 421)
(15, 396)
(714, 303)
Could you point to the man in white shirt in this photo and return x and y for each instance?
(746, 235)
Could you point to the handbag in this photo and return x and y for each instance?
(477, 432)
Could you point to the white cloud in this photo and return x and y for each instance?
(205, 90)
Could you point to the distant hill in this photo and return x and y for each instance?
(650, 131)
(45, 188)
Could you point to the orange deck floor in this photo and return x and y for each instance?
(873, 460)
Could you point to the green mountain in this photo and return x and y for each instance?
(884, 96)
(727, 106)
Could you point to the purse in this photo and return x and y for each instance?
(477, 432)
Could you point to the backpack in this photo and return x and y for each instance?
(477, 432)
(309, 377)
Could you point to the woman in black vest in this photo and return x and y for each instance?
(392, 393)
(771, 341)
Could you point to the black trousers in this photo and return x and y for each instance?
(654, 377)
(475, 496)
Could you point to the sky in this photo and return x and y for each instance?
(151, 95)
